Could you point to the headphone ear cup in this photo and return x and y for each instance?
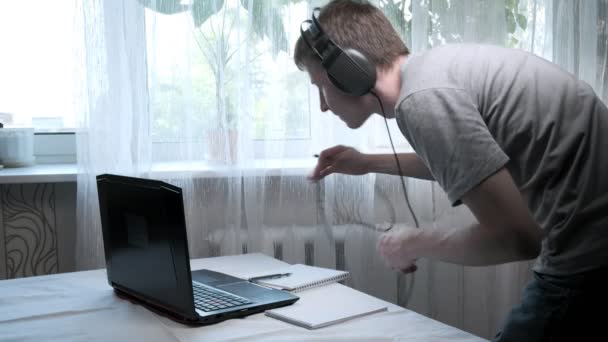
(351, 72)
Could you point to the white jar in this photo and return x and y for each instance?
(17, 147)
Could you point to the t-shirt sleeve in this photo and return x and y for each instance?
(448, 133)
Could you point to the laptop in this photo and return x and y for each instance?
(147, 260)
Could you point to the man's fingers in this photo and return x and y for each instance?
(392, 254)
(321, 165)
(322, 174)
(326, 163)
(326, 171)
(381, 243)
(330, 152)
(326, 160)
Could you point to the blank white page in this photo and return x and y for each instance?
(328, 305)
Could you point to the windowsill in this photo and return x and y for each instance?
(41, 173)
(260, 167)
(57, 173)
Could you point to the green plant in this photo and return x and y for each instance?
(214, 22)
(399, 13)
(514, 19)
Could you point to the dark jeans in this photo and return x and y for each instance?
(570, 308)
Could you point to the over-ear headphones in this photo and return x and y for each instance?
(348, 69)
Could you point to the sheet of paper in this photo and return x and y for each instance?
(328, 305)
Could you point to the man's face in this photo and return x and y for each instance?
(353, 110)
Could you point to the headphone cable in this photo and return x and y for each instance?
(408, 287)
(390, 138)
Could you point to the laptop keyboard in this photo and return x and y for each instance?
(208, 299)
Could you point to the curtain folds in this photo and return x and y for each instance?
(112, 133)
(205, 95)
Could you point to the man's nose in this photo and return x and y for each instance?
(324, 107)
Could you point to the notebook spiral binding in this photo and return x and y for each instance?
(327, 281)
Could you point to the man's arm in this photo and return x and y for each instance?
(349, 161)
(411, 165)
(506, 231)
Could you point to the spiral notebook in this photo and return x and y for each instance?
(303, 277)
(332, 304)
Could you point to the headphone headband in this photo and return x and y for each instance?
(315, 37)
(348, 69)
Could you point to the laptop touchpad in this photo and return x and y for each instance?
(214, 278)
(249, 290)
(205, 277)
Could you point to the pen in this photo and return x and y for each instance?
(270, 276)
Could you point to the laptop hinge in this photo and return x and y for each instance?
(160, 308)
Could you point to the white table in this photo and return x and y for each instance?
(81, 306)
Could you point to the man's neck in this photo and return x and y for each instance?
(388, 86)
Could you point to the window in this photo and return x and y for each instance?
(226, 68)
(36, 64)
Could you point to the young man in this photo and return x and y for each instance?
(516, 139)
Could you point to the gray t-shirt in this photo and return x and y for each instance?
(469, 110)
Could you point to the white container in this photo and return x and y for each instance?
(17, 147)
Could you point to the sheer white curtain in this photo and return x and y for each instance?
(112, 101)
(204, 95)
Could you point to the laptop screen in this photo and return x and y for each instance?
(145, 241)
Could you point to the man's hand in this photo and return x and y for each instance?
(340, 159)
(506, 231)
(398, 249)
